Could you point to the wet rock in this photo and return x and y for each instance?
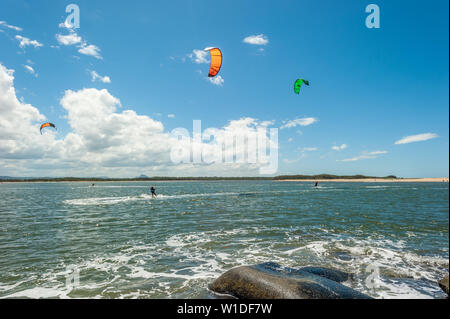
(332, 274)
(443, 283)
(272, 281)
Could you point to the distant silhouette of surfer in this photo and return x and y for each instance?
(153, 190)
(317, 184)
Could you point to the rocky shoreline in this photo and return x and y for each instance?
(273, 281)
(443, 283)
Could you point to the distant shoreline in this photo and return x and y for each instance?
(275, 179)
(373, 180)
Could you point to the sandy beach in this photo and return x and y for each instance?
(375, 180)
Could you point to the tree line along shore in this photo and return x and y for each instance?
(320, 177)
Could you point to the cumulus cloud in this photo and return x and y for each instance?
(417, 138)
(95, 76)
(90, 49)
(102, 139)
(339, 147)
(300, 121)
(24, 42)
(259, 39)
(199, 56)
(105, 133)
(6, 25)
(217, 80)
(69, 39)
(19, 123)
(364, 155)
(74, 39)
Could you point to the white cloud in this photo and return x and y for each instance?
(19, 123)
(3, 23)
(199, 56)
(304, 151)
(217, 80)
(364, 155)
(95, 76)
(74, 39)
(417, 138)
(303, 154)
(171, 116)
(290, 139)
(300, 121)
(377, 152)
(339, 148)
(101, 139)
(26, 42)
(69, 39)
(30, 70)
(267, 123)
(259, 39)
(288, 161)
(90, 49)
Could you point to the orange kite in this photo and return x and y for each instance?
(47, 125)
(216, 61)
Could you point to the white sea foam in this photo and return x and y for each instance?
(114, 186)
(203, 264)
(142, 197)
(4, 287)
(382, 186)
(39, 292)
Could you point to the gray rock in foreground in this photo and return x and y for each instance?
(271, 281)
(443, 283)
(332, 274)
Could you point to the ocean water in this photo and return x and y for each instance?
(71, 240)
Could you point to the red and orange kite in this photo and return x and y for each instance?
(47, 125)
(216, 61)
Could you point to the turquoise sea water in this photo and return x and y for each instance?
(121, 243)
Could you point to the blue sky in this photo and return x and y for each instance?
(369, 87)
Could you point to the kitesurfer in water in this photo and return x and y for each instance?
(153, 190)
(317, 184)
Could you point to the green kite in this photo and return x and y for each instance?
(298, 84)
